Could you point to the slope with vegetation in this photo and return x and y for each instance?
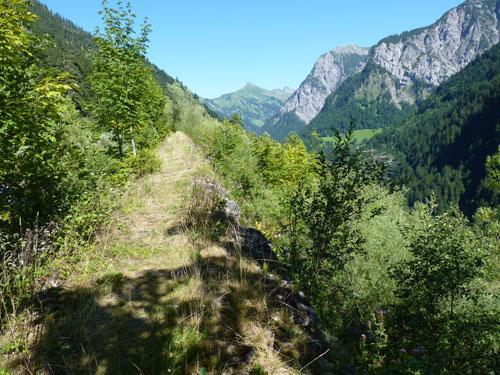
(252, 103)
(352, 245)
(366, 99)
(69, 48)
(155, 294)
(62, 167)
(443, 149)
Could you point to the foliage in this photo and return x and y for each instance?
(31, 103)
(342, 234)
(127, 97)
(58, 181)
(70, 50)
(321, 235)
(435, 296)
(66, 47)
(393, 296)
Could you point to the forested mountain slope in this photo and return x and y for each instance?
(443, 148)
(72, 46)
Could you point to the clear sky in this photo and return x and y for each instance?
(216, 46)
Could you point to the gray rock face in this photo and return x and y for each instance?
(435, 53)
(329, 71)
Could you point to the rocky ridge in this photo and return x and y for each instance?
(328, 73)
(433, 54)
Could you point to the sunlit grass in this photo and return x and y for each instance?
(359, 135)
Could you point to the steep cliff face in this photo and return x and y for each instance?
(435, 53)
(397, 73)
(328, 73)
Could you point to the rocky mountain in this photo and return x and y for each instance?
(253, 103)
(442, 150)
(433, 54)
(401, 70)
(328, 73)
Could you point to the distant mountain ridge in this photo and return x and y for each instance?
(398, 73)
(253, 103)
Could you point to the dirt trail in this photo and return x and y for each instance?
(152, 297)
(147, 225)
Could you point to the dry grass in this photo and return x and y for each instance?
(155, 297)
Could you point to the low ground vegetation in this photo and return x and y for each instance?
(339, 214)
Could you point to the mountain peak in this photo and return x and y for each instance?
(254, 104)
(251, 85)
(329, 71)
(349, 49)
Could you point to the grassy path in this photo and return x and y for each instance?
(152, 297)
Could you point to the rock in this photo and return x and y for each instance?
(223, 207)
(257, 246)
(433, 54)
(329, 71)
(232, 210)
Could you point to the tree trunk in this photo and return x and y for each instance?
(120, 146)
(133, 144)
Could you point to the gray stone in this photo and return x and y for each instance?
(329, 71)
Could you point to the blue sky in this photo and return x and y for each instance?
(216, 46)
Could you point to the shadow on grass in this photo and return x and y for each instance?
(145, 325)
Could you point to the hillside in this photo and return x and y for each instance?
(140, 234)
(364, 98)
(403, 69)
(254, 104)
(442, 149)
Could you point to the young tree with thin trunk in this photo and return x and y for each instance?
(127, 98)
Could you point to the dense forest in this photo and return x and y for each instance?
(443, 149)
(91, 132)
